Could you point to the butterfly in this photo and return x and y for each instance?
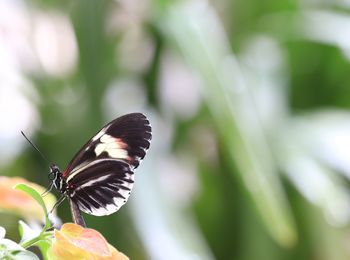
(100, 176)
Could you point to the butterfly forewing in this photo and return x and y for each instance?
(100, 176)
(126, 138)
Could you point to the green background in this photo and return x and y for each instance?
(248, 101)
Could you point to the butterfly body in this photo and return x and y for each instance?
(100, 176)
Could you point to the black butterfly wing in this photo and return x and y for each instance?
(100, 176)
(126, 138)
(101, 187)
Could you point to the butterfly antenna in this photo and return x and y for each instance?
(35, 147)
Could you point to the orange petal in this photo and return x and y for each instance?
(76, 242)
(18, 202)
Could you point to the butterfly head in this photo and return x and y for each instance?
(55, 176)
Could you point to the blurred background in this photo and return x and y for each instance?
(249, 103)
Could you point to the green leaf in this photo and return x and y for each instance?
(37, 197)
(235, 114)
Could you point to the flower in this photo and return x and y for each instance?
(19, 202)
(76, 242)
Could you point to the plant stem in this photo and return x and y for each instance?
(76, 215)
(31, 242)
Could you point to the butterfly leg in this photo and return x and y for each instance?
(47, 190)
(60, 200)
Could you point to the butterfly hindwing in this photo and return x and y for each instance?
(101, 187)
